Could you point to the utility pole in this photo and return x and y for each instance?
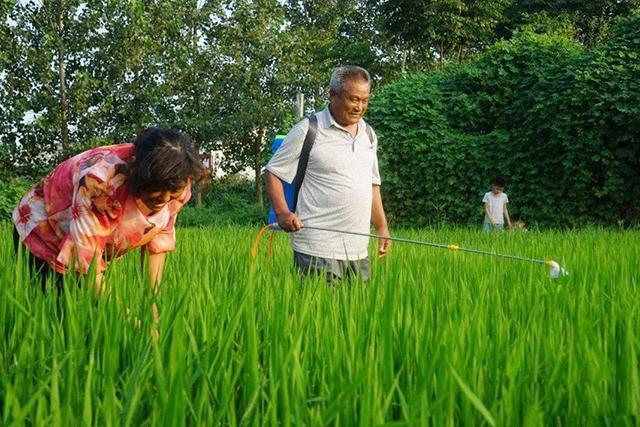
(300, 103)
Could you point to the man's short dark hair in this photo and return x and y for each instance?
(164, 160)
(345, 73)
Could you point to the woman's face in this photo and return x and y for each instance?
(156, 200)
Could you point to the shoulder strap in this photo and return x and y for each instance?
(309, 139)
(369, 133)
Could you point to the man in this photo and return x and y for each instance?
(341, 188)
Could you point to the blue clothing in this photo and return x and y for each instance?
(486, 226)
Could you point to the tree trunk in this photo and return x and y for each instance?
(258, 175)
(196, 144)
(257, 169)
(317, 102)
(197, 186)
(198, 195)
(62, 79)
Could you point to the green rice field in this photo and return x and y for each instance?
(436, 337)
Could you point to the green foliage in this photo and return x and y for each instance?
(561, 124)
(113, 69)
(231, 211)
(543, 23)
(227, 72)
(252, 43)
(591, 20)
(11, 191)
(228, 200)
(443, 31)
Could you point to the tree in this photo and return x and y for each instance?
(74, 76)
(189, 92)
(311, 46)
(591, 19)
(78, 76)
(442, 31)
(42, 41)
(8, 112)
(256, 99)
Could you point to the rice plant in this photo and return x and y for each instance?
(434, 338)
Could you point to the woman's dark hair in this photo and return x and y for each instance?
(164, 160)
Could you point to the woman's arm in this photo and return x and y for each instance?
(100, 284)
(156, 268)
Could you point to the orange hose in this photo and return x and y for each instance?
(256, 242)
(270, 243)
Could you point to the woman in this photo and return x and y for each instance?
(100, 204)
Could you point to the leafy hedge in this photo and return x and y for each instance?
(561, 124)
(11, 191)
(225, 201)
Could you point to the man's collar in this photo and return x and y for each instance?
(326, 120)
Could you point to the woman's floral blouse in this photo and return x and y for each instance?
(83, 210)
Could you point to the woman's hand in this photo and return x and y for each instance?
(101, 286)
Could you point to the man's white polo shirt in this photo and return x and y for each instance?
(337, 188)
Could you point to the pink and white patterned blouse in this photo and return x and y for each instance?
(83, 210)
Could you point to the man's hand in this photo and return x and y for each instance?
(383, 244)
(289, 222)
(379, 221)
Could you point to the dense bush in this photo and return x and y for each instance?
(228, 200)
(11, 191)
(246, 214)
(562, 124)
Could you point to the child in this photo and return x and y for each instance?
(495, 206)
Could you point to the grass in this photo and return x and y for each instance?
(435, 338)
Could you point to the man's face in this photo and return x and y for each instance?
(349, 106)
(497, 189)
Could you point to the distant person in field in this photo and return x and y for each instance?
(100, 204)
(495, 206)
(341, 188)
